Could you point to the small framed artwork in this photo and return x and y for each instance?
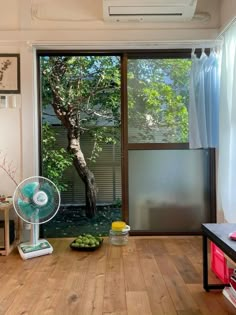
(9, 73)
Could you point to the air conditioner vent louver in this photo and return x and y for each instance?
(148, 10)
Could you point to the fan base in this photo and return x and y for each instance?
(27, 250)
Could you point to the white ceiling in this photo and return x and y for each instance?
(82, 20)
(87, 14)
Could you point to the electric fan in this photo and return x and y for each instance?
(36, 200)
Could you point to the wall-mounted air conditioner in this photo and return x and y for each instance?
(148, 10)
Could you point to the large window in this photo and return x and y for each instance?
(80, 145)
(114, 139)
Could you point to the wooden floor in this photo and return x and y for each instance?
(155, 275)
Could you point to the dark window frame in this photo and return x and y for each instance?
(126, 54)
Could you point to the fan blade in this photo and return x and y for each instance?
(46, 210)
(27, 209)
(29, 189)
(48, 189)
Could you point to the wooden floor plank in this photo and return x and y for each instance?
(213, 303)
(175, 284)
(149, 276)
(208, 303)
(132, 273)
(132, 270)
(138, 303)
(114, 292)
(93, 291)
(225, 304)
(172, 247)
(157, 246)
(28, 297)
(142, 247)
(186, 269)
(68, 290)
(159, 298)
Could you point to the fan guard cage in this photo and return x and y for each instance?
(36, 200)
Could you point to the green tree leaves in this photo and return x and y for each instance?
(84, 93)
(158, 94)
(55, 161)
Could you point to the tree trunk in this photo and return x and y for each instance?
(90, 188)
(70, 120)
(87, 177)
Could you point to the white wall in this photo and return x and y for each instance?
(10, 148)
(10, 137)
(9, 15)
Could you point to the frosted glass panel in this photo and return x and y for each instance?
(168, 190)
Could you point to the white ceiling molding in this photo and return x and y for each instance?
(125, 36)
(226, 27)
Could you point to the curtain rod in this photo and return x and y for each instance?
(111, 45)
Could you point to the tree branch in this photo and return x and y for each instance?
(8, 168)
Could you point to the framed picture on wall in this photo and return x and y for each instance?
(9, 73)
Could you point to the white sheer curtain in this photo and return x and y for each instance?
(204, 101)
(227, 139)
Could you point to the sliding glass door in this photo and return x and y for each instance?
(169, 186)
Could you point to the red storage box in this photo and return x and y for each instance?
(219, 264)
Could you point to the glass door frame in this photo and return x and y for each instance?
(126, 146)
